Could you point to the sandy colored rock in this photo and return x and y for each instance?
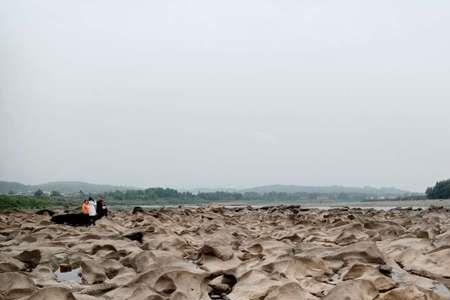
(237, 253)
(370, 273)
(56, 293)
(14, 285)
(410, 293)
(218, 248)
(359, 252)
(289, 291)
(10, 264)
(353, 290)
(43, 275)
(92, 272)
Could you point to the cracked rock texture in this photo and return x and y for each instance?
(240, 253)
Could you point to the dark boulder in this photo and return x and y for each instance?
(137, 209)
(30, 258)
(135, 236)
(45, 212)
(71, 219)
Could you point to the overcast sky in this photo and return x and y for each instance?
(225, 93)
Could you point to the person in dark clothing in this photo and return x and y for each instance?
(102, 210)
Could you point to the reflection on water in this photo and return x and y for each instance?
(66, 273)
(321, 204)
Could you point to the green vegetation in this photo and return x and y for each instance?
(39, 193)
(151, 196)
(74, 187)
(440, 191)
(55, 194)
(161, 196)
(39, 198)
(11, 203)
(20, 202)
(220, 196)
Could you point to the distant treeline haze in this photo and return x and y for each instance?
(170, 196)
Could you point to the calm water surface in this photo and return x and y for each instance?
(380, 205)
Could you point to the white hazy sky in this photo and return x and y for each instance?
(225, 93)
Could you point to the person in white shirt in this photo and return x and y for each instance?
(92, 210)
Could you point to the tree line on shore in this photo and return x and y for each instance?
(172, 196)
(169, 196)
(23, 202)
(441, 190)
(162, 196)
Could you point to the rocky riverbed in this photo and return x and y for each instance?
(269, 253)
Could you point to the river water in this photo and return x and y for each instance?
(375, 204)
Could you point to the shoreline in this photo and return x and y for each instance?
(380, 205)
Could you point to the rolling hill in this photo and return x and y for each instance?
(67, 187)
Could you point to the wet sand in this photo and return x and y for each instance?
(237, 253)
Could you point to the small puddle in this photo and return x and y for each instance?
(68, 274)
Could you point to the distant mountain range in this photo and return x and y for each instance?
(335, 189)
(292, 189)
(61, 186)
(75, 186)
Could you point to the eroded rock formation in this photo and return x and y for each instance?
(245, 253)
